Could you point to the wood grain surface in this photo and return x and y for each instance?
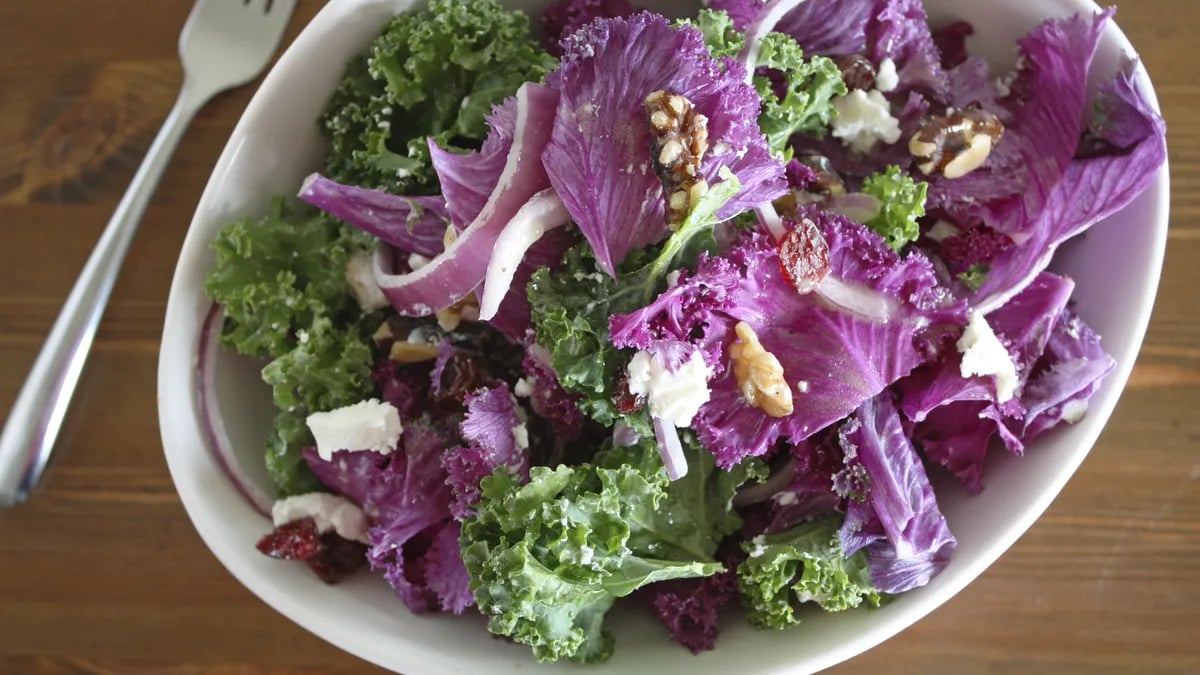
(102, 572)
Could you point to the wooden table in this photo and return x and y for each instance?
(103, 573)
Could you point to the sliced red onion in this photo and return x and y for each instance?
(769, 218)
(450, 276)
(410, 224)
(671, 449)
(210, 418)
(769, 15)
(624, 435)
(544, 211)
(856, 299)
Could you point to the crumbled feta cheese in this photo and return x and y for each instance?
(328, 511)
(521, 436)
(674, 396)
(760, 546)
(802, 386)
(672, 279)
(785, 498)
(362, 282)
(523, 388)
(367, 425)
(941, 231)
(416, 261)
(1073, 411)
(586, 554)
(886, 78)
(863, 119)
(983, 354)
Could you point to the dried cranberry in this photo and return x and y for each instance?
(857, 71)
(626, 401)
(338, 558)
(330, 556)
(804, 256)
(297, 540)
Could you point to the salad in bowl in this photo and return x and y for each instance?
(592, 307)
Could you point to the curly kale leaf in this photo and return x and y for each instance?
(570, 308)
(281, 280)
(277, 273)
(572, 304)
(434, 72)
(901, 203)
(809, 87)
(548, 559)
(696, 512)
(804, 564)
(720, 35)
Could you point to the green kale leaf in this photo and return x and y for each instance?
(696, 512)
(285, 460)
(434, 72)
(975, 276)
(806, 106)
(277, 273)
(281, 280)
(572, 304)
(803, 564)
(901, 203)
(720, 35)
(548, 559)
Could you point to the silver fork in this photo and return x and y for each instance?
(224, 44)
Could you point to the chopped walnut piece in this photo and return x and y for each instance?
(956, 144)
(759, 374)
(466, 309)
(383, 334)
(679, 141)
(412, 352)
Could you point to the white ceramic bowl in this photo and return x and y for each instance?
(276, 144)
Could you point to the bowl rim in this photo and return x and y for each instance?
(177, 354)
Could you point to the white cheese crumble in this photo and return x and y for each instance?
(521, 436)
(329, 512)
(760, 546)
(362, 282)
(785, 498)
(367, 425)
(983, 354)
(672, 278)
(523, 388)
(886, 78)
(1073, 411)
(674, 396)
(863, 119)
(941, 231)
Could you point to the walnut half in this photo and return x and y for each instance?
(956, 144)
(679, 139)
(759, 374)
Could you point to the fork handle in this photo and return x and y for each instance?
(37, 415)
